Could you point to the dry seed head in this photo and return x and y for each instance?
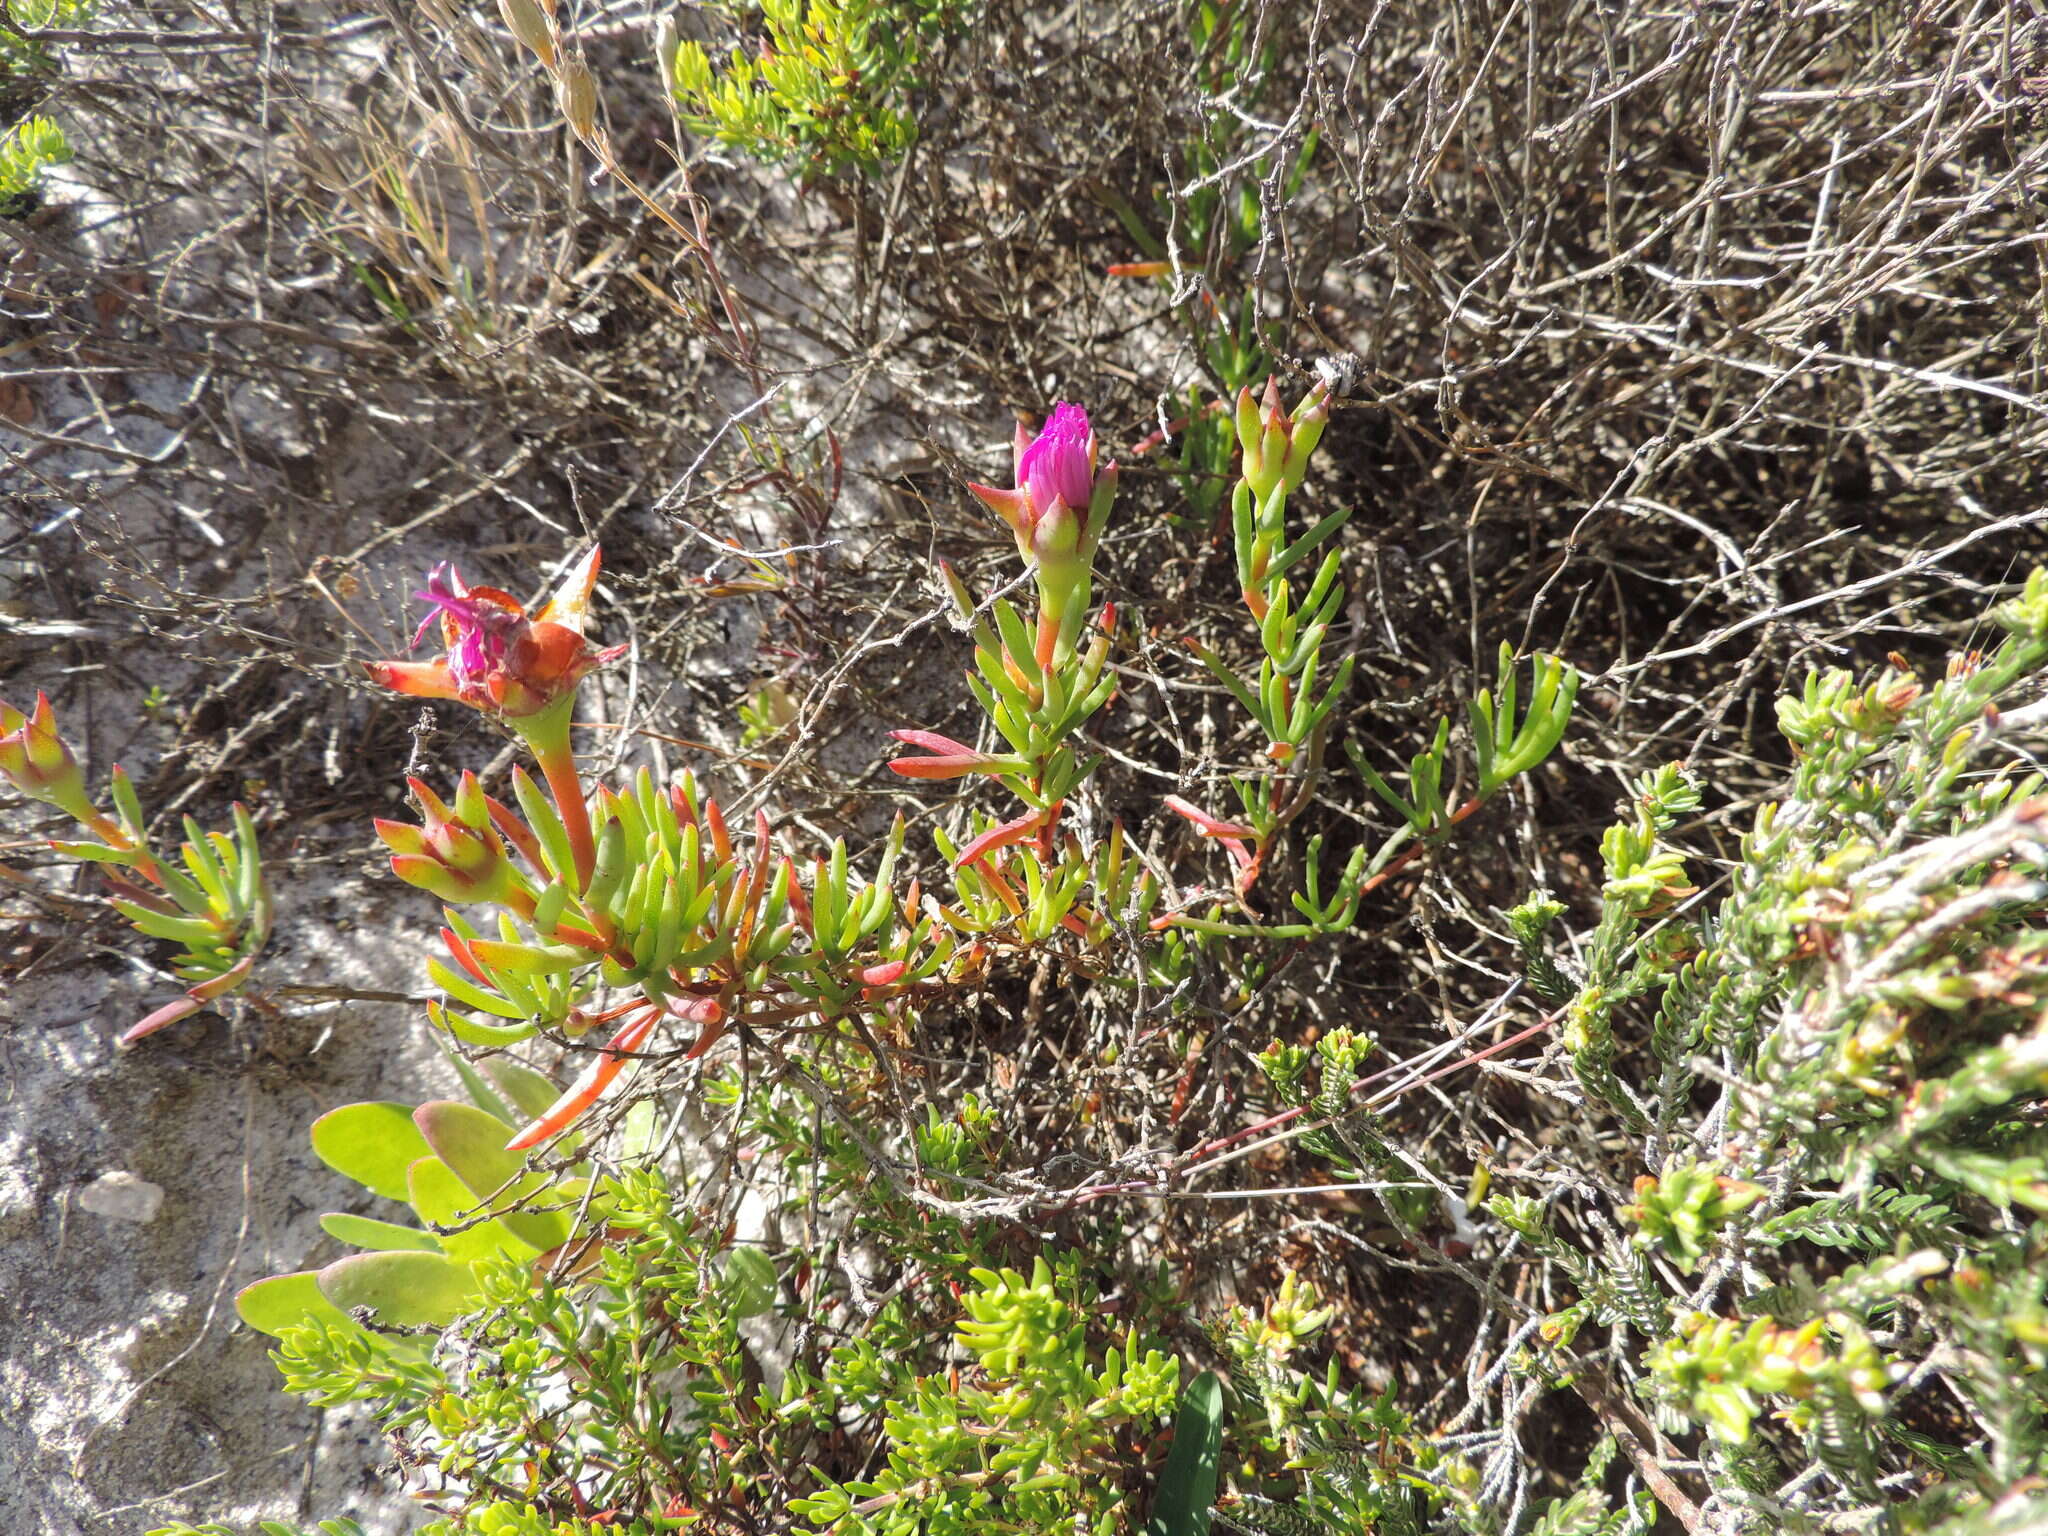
(526, 22)
(576, 95)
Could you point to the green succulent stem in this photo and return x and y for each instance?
(546, 734)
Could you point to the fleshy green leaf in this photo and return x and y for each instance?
(403, 1290)
(372, 1143)
(532, 1094)
(288, 1301)
(378, 1236)
(443, 1200)
(472, 1143)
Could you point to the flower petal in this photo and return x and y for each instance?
(420, 679)
(570, 606)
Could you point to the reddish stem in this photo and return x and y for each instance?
(547, 736)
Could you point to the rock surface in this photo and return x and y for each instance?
(121, 1196)
(138, 1191)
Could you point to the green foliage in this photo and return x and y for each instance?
(217, 908)
(1292, 708)
(673, 908)
(829, 90)
(21, 56)
(1506, 743)
(1644, 881)
(1310, 1457)
(1772, 1220)
(473, 1201)
(1036, 1439)
(1202, 227)
(1717, 1370)
(644, 1321)
(765, 714)
(1867, 992)
(1187, 1485)
(1531, 922)
(28, 149)
(1681, 1213)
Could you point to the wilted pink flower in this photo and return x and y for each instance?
(500, 658)
(518, 666)
(480, 628)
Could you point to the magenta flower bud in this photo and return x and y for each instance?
(1059, 506)
(1060, 461)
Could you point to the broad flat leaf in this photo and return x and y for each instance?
(1188, 1485)
(378, 1236)
(404, 1290)
(287, 1301)
(749, 1281)
(473, 1144)
(372, 1143)
(443, 1200)
(526, 1090)
(480, 1090)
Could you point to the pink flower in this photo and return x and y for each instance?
(1059, 505)
(521, 667)
(1060, 461)
(480, 629)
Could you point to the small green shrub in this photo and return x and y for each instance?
(27, 150)
(828, 90)
(20, 55)
(1863, 1200)
(610, 1378)
(1034, 1436)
